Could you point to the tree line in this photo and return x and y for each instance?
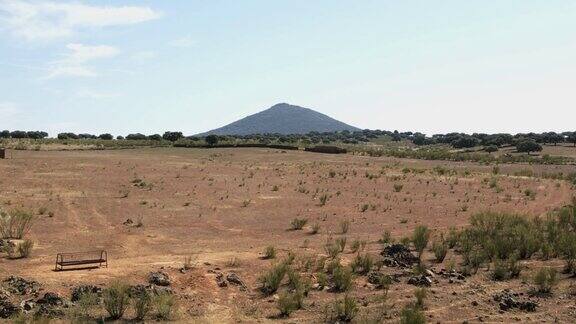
(524, 142)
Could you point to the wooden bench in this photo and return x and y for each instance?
(81, 258)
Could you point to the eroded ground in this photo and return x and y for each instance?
(225, 206)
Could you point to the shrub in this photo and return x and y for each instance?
(269, 252)
(420, 239)
(287, 303)
(315, 228)
(298, 223)
(420, 295)
(357, 245)
(506, 269)
(398, 187)
(332, 249)
(440, 250)
(323, 200)
(142, 305)
(164, 303)
(346, 309)
(412, 315)
(341, 243)
(15, 224)
(362, 264)
(272, 279)
(342, 278)
(25, 248)
(84, 305)
(546, 279)
(116, 300)
(322, 279)
(386, 237)
(344, 226)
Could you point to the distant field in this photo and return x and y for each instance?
(225, 206)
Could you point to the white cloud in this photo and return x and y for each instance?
(74, 64)
(183, 42)
(8, 109)
(46, 20)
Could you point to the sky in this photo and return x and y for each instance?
(128, 66)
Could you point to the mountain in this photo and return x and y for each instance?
(283, 119)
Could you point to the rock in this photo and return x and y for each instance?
(421, 280)
(18, 285)
(51, 298)
(507, 300)
(128, 222)
(220, 280)
(234, 279)
(78, 291)
(48, 311)
(7, 309)
(398, 255)
(27, 305)
(159, 278)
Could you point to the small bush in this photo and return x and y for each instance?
(85, 304)
(332, 249)
(342, 278)
(25, 248)
(506, 269)
(269, 252)
(341, 243)
(142, 305)
(15, 224)
(420, 239)
(346, 309)
(440, 250)
(386, 237)
(412, 315)
(398, 187)
(287, 303)
(344, 226)
(323, 200)
(420, 295)
(545, 279)
(315, 229)
(362, 264)
(164, 304)
(272, 279)
(357, 246)
(116, 300)
(298, 223)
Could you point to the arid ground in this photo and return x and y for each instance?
(223, 207)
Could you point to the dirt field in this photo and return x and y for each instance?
(225, 206)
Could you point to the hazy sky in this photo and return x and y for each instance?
(127, 66)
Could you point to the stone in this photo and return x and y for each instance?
(159, 278)
(421, 280)
(51, 298)
(21, 286)
(7, 309)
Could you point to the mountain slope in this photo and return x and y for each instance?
(283, 119)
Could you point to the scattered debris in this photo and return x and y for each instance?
(21, 286)
(421, 280)
(508, 299)
(398, 255)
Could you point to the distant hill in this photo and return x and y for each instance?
(283, 119)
